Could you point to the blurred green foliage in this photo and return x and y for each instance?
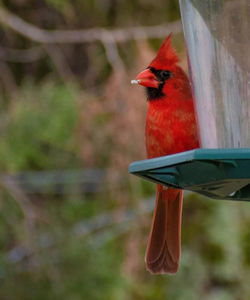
(79, 245)
(40, 125)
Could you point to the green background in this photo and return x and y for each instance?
(70, 109)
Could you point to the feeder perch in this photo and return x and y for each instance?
(217, 38)
(216, 173)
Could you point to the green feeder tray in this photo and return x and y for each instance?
(216, 173)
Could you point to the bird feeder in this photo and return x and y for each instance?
(217, 34)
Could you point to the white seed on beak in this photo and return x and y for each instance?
(135, 81)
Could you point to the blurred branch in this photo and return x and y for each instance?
(7, 77)
(59, 61)
(86, 35)
(112, 51)
(62, 182)
(26, 206)
(109, 38)
(22, 56)
(101, 229)
(17, 193)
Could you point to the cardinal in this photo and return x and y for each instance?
(170, 128)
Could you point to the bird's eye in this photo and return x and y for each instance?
(165, 74)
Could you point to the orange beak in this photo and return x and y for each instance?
(146, 78)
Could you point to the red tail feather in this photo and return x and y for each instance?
(164, 245)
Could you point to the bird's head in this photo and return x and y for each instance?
(159, 72)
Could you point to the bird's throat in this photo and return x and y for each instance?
(155, 93)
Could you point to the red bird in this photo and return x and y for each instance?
(170, 128)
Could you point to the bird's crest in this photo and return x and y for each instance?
(166, 55)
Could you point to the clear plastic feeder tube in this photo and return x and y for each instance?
(217, 34)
